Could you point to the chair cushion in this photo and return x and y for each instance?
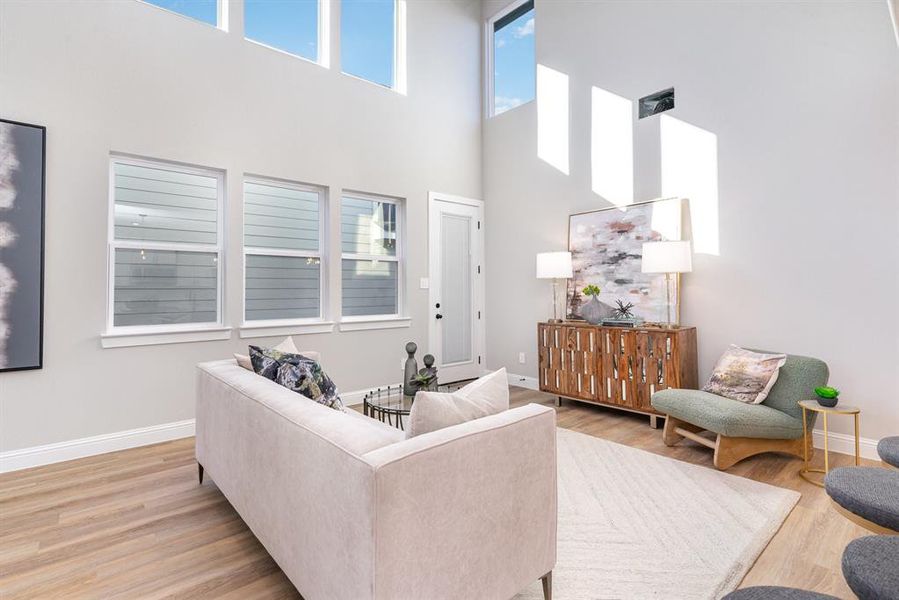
(725, 416)
(869, 492)
(871, 567)
(888, 449)
(768, 592)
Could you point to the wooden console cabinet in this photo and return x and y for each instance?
(615, 366)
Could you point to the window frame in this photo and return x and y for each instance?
(399, 83)
(221, 14)
(112, 244)
(323, 35)
(265, 327)
(352, 322)
(489, 60)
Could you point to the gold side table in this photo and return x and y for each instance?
(839, 409)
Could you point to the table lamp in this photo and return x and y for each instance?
(555, 266)
(667, 258)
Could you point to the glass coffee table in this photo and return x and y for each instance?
(390, 405)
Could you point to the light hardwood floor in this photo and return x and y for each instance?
(135, 524)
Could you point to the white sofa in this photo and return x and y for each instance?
(351, 509)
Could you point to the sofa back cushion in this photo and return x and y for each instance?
(486, 396)
(356, 436)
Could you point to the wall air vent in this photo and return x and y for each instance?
(656, 103)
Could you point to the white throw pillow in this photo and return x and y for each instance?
(286, 345)
(486, 396)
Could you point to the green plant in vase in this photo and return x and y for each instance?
(592, 291)
(827, 396)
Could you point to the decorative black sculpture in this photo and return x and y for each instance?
(623, 310)
(411, 370)
(426, 378)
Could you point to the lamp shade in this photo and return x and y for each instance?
(667, 257)
(554, 265)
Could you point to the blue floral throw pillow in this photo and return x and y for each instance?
(297, 373)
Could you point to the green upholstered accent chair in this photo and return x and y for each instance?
(742, 429)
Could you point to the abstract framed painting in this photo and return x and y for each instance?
(22, 183)
(607, 251)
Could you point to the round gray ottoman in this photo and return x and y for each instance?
(872, 493)
(871, 567)
(888, 449)
(768, 592)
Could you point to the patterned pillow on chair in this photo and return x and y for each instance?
(297, 373)
(745, 375)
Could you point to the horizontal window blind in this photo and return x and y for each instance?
(282, 287)
(370, 266)
(369, 287)
(282, 276)
(165, 245)
(165, 206)
(159, 287)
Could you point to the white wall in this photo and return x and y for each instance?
(128, 77)
(803, 100)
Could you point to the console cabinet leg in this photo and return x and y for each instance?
(547, 586)
(200, 472)
(559, 401)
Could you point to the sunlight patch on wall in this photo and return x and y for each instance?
(552, 117)
(612, 147)
(690, 170)
(666, 218)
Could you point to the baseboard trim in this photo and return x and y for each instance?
(524, 381)
(843, 443)
(36, 456)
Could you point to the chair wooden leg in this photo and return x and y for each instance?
(672, 437)
(731, 450)
(200, 472)
(547, 586)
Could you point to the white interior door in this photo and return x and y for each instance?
(455, 243)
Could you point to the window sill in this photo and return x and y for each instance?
(152, 338)
(363, 323)
(263, 329)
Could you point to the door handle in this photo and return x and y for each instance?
(439, 316)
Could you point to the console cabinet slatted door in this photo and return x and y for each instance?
(615, 366)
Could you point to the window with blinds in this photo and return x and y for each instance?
(282, 248)
(371, 260)
(165, 246)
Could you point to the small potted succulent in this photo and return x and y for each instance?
(827, 396)
(594, 311)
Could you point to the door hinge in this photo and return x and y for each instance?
(479, 269)
(479, 224)
(479, 360)
(479, 314)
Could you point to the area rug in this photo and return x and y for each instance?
(637, 525)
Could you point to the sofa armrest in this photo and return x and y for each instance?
(468, 511)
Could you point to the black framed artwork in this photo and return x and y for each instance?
(22, 183)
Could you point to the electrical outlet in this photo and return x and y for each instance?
(521, 357)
